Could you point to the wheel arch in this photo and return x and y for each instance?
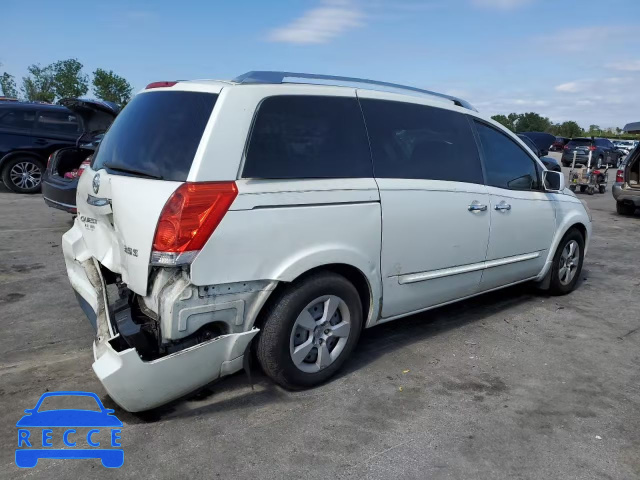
(366, 291)
(21, 153)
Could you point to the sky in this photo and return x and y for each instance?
(565, 59)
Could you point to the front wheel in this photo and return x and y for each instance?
(23, 175)
(309, 330)
(567, 263)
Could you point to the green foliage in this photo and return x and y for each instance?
(111, 87)
(8, 86)
(39, 85)
(524, 122)
(68, 79)
(568, 129)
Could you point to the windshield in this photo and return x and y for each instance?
(156, 135)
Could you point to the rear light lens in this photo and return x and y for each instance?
(620, 176)
(188, 219)
(83, 166)
(160, 85)
(592, 148)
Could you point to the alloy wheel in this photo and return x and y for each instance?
(569, 260)
(26, 175)
(320, 333)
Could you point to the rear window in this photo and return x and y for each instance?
(580, 142)
(299, 136)
(156, 135)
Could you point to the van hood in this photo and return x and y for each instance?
(97, 115)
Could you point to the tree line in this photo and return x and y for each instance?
(534, 122)
(65, 78)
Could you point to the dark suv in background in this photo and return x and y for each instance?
(29, 133)
(603, 152)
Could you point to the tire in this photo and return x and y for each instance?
(564, 285)
(583, 188)
(602, 188)
(599, 162)
(625, 209)
(591, 190)
(23, 174)
(282, 334)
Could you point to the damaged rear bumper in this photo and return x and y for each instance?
(133, 383)
(137, 385)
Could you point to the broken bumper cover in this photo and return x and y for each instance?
(133, 383)
(137, 385)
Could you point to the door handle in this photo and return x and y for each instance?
(477, 207)
(503, 206)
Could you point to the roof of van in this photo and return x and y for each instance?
(275, 78)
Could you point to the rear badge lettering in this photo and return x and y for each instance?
(88, 222)
(131, 251)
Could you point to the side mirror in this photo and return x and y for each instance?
(553, 181)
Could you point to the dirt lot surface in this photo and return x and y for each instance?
(514, 384)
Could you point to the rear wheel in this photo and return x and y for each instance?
(583, 188)
(567, 263)
(599, 162)
(310, 330)
(602, 188)
(625, 208)
(23, 175)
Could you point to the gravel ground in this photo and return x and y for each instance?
(513, 384)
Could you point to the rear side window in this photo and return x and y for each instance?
(421, 142)
(156, 135)
(506, 164)
(19, 118)
(62, 123)
(296, 136)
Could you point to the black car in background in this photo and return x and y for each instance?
(29, 133)
(603, 152)
(548, 162)
(65, 166)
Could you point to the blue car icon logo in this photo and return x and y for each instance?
(82, 433)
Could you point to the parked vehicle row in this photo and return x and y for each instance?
(283, 218)
(30, 133)
(602, 151)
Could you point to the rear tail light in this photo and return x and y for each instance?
(188, 219)
(160, 85)
(620, 176)
(83, 166)
(592, 148)
(566, 147)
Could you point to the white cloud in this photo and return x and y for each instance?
(320, 25)
(501, 4)
(590, 40)
(625, 66)
(570, 87)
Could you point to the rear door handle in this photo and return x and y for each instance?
(503, 206)
(477, 207)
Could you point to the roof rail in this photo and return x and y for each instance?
(278, 77)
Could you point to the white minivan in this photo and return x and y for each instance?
(279, 214)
